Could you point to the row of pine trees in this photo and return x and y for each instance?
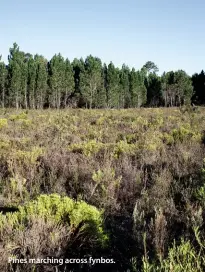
(33, 82)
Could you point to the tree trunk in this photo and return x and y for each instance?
(25, 98)
(59, 99)
(91, 99)
(17, 102)
(3, 97)
(65, 98)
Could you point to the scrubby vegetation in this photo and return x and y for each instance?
(122, 184)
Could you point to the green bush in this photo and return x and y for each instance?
(182, 257)
(62, 210)
(3, 123)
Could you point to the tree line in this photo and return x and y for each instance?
(33, 82)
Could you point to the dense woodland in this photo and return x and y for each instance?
(34, 82)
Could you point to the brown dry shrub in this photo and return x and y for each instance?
(39, 240)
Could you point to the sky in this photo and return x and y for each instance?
(169, 33)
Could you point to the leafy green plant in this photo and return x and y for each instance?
(62, 210)
(20, 116)
(3, 123)
(88, 149)
(122, 147)
(182, 257)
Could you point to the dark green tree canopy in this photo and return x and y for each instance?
(33, 82)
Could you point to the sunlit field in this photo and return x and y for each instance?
(126, 185)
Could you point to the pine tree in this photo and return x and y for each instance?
(41, 81)
(134, 88)
(32, 82)
(198, 81)
(24, 78)
(56, 79)
(125, 97)
(32, 73)
(78, 69)
(68, 82)
(142, 91)
(3, 77)
(154, 90)
(113, 86)
(91, 80)
(184, 87)
(177, 88)
(15, 76)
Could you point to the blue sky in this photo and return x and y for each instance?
(169, 33)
